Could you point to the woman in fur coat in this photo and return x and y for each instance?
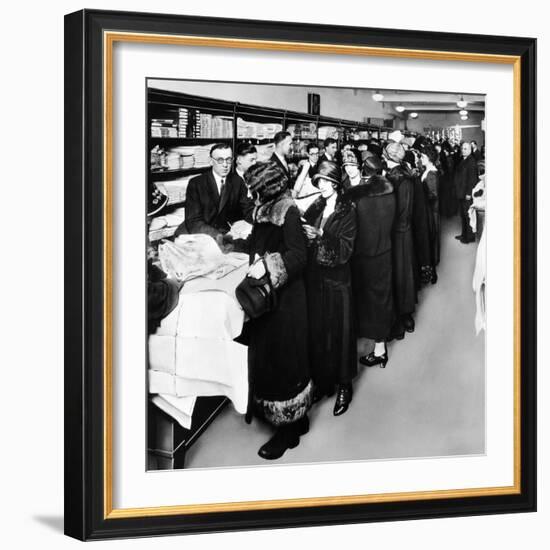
(281, 386)
(372, 263)
(331, 228)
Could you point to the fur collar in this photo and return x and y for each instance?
(342, 207)
(376, 186)
(275, 210)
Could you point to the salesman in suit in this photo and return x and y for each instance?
(247, 156)
(215, 199)
(331, 148)
(283, 141)
(465, 178)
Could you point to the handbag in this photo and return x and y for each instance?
(256, 296)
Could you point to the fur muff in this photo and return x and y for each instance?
(276, 268)
(279, 413)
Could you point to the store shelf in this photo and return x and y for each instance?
(175, 141)
(159, 175)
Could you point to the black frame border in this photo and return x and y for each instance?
(84, 254)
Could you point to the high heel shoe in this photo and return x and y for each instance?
(372, 360)
(343, 399)
(408, 322)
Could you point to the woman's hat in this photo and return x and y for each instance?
(267, 179)
(396, 136)
(349, 158)
(394, 151)
(328, 170)
(372, 165)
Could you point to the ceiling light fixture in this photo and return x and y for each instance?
(461, 103)
(413, 115)
(400, 108)
(377, 96)
(463, 112)
(464, 117)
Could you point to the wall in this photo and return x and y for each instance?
(335, 102)
(444, 120)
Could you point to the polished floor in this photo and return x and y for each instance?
(428, 401)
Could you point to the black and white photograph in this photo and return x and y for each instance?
(316, 274)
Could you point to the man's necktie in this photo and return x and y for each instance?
(222, 185)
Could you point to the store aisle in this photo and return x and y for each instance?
(429, 401)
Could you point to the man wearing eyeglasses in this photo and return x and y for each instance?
(217, 198)
(304, 192)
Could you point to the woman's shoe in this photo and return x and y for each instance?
(408, 322)
(343, 399)
(286, 437)
(372, 360)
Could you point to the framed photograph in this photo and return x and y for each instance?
(300, 274)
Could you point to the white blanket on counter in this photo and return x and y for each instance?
(193, 353)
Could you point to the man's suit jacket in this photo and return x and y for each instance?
(275, 158)
(207, 212)
(466, 177)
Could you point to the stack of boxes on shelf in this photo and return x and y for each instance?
(212, 126)
(257, 130)
(164, 128)
(183, 122)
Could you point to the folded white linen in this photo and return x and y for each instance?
(193, 352)
(179, 408)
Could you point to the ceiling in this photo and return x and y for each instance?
(430, 101)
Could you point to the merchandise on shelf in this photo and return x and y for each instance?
(257, 130)
(303, 130)
(164, 128)
(208, 126)
(174, 189)
(328, 132)
(180, 158)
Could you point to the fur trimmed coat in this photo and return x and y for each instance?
(278, 358)
(332, 341)
(372, 262)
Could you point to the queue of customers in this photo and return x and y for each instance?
(347, 238)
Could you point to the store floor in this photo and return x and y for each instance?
(428, 401)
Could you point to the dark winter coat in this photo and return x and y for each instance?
(466, 177)
(278, 341)
(422, 237)
(332, 341)
(372, 259)
(404, 291)
(431, 186)
(447, 192)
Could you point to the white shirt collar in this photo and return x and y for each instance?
(218, 180)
